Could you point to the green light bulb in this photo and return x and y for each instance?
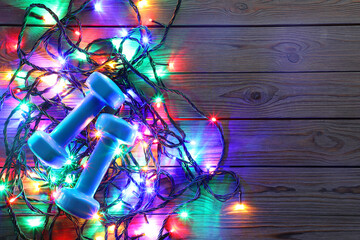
(35, 222)
(24, 107)
(184, 214)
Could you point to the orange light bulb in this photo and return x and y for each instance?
(240, 207)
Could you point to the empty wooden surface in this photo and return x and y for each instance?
(283, 78)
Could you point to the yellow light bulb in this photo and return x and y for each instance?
(98, 134)
(142, 3)
(36, 187)
(111, 64)
(9, 75)
(111, 228)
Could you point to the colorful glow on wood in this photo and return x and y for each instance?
(141, 43)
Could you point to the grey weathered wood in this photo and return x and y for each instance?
(303, 182)
(270, 143)
(253, 95)
(268, 95)
(211, 12)
(241, 49)
(304, 203)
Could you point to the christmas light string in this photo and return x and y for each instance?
(143, 182)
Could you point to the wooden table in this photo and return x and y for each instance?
(283, 77)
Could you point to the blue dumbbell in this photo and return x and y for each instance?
(50, 148)
(79, 201)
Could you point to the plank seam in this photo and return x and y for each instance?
(196, 25)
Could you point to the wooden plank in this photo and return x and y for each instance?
(268, 143)
(212, 12)
(224, 227)
(309, 95)
(268, 95)
(304, 203)
(253, 95)
(245, 49)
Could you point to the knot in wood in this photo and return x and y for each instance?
(258, 95)
(325, 141)
(291, 50)
(343, 189)
(239, 7)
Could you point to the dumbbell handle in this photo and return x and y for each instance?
(97, 165)
(77, 120)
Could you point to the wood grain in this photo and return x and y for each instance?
(268, 95)
(283, 79)
(283, 203)
(200, 12)
(251, 95)
(241, 49)
(268, 142)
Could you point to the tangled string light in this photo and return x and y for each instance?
(161, 137)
